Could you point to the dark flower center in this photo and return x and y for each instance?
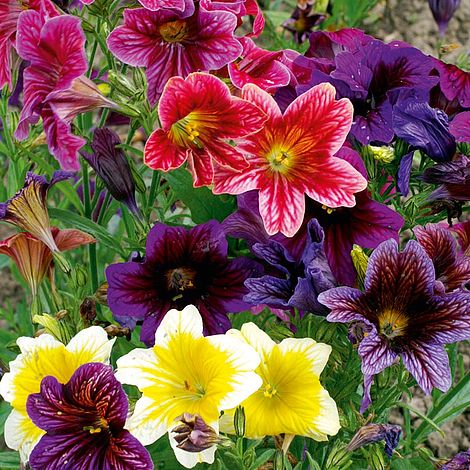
(100, 425)
(174, 31)
(181, 279)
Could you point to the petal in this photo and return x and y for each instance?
(137, 368)
(125, 451)
(263, 100)
(269, 290)
(460, 127)
(166, 244)
(375, 353)
(91, 345)
(229, 181)
(345, 303)
(201, 167)
(316, 353)
(255, 337)
(160, 153)
(326, 423)
(191, 459)
(207, 242)
(404, 173)
(70, 239)
(156, 5)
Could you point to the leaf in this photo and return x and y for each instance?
(9, 460)
(263, 458)
(416, 463)
(201, 202)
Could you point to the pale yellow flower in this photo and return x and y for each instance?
(41, 357)
(186, 372)
(291, 399)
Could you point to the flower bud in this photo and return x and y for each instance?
(193, 435)
(239, 421)
(278, 463)
(443, 11)
(360, 260)
(118, 331)
(121, 84)
(88, 310)
(338, 458)
(101, 294)
(382, 154)
(377, 432)
(80, 276)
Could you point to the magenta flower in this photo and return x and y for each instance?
(84, 423)
(460, 126)
(463, 236)
(408, 319)
(169, 43)
(54, 86)
(454, 82)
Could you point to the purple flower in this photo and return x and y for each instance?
(377, 432)
(299, 282)
(453, 82)
(452, 267)
(463, 235)
(443, 10)
(460, 127)
(460, 462)
(408, 319)
(301, 23)
(181, 267)
(84, 423)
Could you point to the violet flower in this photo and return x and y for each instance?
(301, 23)
(84, 423)
(181, 267)
(461, 461)
(370, 433)
(408, 319)
(443, 10)
(453, 82)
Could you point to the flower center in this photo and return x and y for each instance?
(174, 31)
(194, 389)
(269, 391)
(392, 324)
(185, 132)
(328, 210)
(180, 279)
(280, 160)
(101, 425)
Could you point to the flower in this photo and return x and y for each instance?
(84, 423)
(459, 127)
(111, 165)
(300, 282)
(452, 267)
(463, 235)
(170, 43)
(408, 319)
(461, 461)
(301, 23)
(40, 357)
(373, 432)
(54, 86)
(181, 267)
(198, 116)
(193, 435)
(291, 399)
(453, 82)
(33, 258)
(293, 155)
(27, 208)
(443, 10)
(186, 372)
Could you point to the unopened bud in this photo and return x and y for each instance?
(376, 459)
(119, 331)
(88, 310)
(101, 294)
(382, 154)
(372, 432)
(193, 435)
(80, 276)
(278, 462)
(360, 261)
(121, 84)
(338, 458)
(60, 260)
(138, 180)
(239, 421)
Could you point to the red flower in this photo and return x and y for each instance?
(293, 156)
(197, 116)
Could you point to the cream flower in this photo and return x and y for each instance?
(186, 372)
(41, 357)
(291, 399)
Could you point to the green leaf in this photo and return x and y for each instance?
(9, 460)
(263, 458)
(416, 463)
(201, 202)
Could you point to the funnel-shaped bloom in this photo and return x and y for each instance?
(198, 116)
(186, 372)
(291, 399)
(84, 423)
(443, 10)
(54, 86)
(41, 357)
(293, 156)
(168, 44)
(27, 209)
(408, 319)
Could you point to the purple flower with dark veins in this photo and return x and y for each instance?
(373, 432)
(408, 319)
(460, 462)
(84, 423)
(181, 267)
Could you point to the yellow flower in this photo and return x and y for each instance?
(291, 399)
(186, 372)
(41, 357)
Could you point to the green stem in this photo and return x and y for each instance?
(156, 178)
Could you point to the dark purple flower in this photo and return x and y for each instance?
(193, 434)
(374, 433)
(299, 282)
(452, 267)
(443, 10)
(84, 423)
(453, 178)
(404, 173)
(408, 319)
(460, 462)
(111, 165)
(301, 23)
(460, 127)
(181, 267)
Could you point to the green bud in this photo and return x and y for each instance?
(121, 84)
(338, 458)
(278, 463)
(80, 276)
(61, 261)
(50, 324)
(140, 79)
(360, 260)
(138, 180)
(375, 458)
(239, 421)
(249, 457)
(383, 154)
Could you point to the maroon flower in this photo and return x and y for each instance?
(84, 423)
(463, 234)
(181, 267)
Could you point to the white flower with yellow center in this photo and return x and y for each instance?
(186, 372)
(291, 399)
(40, 357)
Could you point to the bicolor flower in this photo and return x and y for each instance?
(199, 116)
(41, 357)
(27, 209)
(370, 433)
(291, 399)
(443, 10)
(293, 156)
(186, 372)
(55, 88)
(168, 43)
(452, 266)
(408, 319)
(84, 423)
(111, 165)
(180, 267)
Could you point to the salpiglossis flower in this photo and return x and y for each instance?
(40, 357)
(293, 156)
(186, 372)
(198, 116)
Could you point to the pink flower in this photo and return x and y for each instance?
(54, 86)
(180, 5)
(169, 44)
(198, 115)
(293, 156)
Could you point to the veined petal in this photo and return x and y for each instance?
(375, 353)
(201, 167)
(161, 153)
(229, 181)
(345, 304)
(254, 94)
(317, 353)
(255, 337)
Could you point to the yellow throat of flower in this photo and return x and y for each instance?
(280, 159)
(392, 323)
(174, 31)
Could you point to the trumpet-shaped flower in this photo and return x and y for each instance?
(408, 319)
(186, 372)
(40, 357)
(169, 43)
(84, 423)
(198, 115)
(291, 399)
(293, 156)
